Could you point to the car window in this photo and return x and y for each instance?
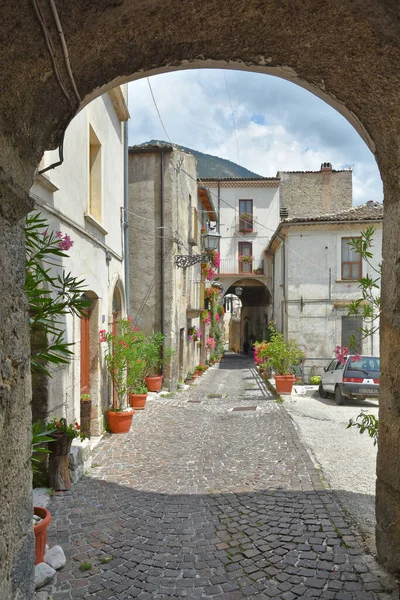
(339, 366)
(331, 365)
(370, 364)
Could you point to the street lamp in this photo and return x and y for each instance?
(210, 243)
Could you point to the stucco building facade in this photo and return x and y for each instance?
(84, 198)
(248, 216)
(316, 277)
(167, 214)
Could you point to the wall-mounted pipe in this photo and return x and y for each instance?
(126, 220)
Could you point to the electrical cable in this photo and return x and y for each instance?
(50, 48)
(227, 203)
(233, 116)
(65, 49)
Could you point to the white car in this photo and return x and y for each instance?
(357, 378)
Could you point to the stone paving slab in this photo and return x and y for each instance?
(199, 501)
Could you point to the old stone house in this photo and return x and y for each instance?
(167, 214)
(84, 198)
(248, 215)
(315, 277)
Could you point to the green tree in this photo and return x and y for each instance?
(368, 307)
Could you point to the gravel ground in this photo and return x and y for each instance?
(346, 458)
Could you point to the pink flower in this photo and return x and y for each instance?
(59, 234)
(355, 357)
(66, 243)
(139, 361)
(102, 333)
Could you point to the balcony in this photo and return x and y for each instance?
(195, 298)
(233, 266)
(246, 225)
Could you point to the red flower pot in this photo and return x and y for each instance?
(154, 383)
(40, 531)
(284, 383)
(137, 401)
(120, 421)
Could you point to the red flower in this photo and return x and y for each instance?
(58, 424)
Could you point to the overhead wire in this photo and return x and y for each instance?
(284, 243)
(233, 115)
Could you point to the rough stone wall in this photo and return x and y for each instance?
(332, 49)
(320, 192)
(144, 242)
(16, 537)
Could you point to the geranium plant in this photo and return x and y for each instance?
(207, 271)
(58, 427)
(245, 258)
(194, 334)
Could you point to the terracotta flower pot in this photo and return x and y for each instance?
(284, 383)
(120, 421)
(198, 373)
(137, 401)
(154, 383)
(40, 531)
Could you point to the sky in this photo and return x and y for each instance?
(279, 126)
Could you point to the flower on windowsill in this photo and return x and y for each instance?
(245, 258)
(194, 334)
(247, 218)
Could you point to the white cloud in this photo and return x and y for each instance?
(280, 126)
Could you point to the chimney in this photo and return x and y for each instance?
(326, 166)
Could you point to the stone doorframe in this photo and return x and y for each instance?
(346, 52)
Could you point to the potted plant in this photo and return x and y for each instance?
(119, 416)
(189, 378)
(41, 520)
(41, 516)
(200, 369)
(281, 356)
(62, 435)
(156, 355)
(86, 412)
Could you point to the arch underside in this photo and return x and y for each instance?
(345, 51)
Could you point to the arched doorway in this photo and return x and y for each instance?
(336, 50)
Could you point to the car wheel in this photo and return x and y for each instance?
(321, 391)
(339, 398)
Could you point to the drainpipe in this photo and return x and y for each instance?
(162, 303)
(126, 220)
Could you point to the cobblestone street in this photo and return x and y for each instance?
(211, 495)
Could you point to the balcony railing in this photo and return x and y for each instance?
(234, 266)
(246, 225)
(195, 295)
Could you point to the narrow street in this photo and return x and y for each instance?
(211, 495)
(346, 458)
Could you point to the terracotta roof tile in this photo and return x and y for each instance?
(371, 211)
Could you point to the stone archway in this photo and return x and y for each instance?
(347, 52)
